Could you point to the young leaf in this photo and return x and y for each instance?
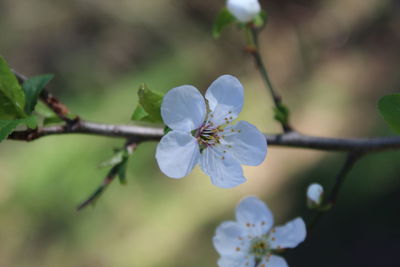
(122, 171)
(12, 98)
(281, 114)
(224, 18)
(261, 19)
(8, 126)
(117, 158)
(32, 88)
(140, 114)
(389, 107)
(149, 105)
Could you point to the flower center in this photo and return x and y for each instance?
(259, 248)
(209, 135)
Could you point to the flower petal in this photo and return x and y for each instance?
(254, 214)
(244, 10)
(183, 108)
(273, 261)
(289, 235)
(229, 240)
(236, 262)
(224, 170)
(225, 99)
(247, 144)
(177, 154)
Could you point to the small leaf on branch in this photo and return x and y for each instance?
(12, 98)
(148, 108)
(32, 88)
(261, 19)
(281, 114)
(8, 126)
(117, 158)
(224, 18)
(389, 107)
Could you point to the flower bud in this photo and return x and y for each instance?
(315, 195)
(244, 10)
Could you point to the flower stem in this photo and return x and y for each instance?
(254, 50)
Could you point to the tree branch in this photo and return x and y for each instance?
(144, 133)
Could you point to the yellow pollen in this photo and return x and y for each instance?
(237, 249)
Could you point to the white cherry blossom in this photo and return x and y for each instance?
(202, 132)
(252, 238)
(244, 10)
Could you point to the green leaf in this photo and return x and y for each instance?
(261, 19)
(8, 126)
(52, 120)
(389, 107)
(122, 170)
(12, 98)
(117, 158)
(149, 105)
(32, 88)
(224, 18)
(140, 114)
(281, 114)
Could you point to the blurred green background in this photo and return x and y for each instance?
(331, 60)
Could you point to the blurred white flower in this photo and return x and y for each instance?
(251, 238)
(315, 194)
(244, 10)
(203, 133)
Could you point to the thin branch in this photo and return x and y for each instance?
(255, 52)
(330, 202)
(143, 133)
(51, 101)
(129, 146)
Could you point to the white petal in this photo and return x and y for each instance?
(225, 99)
(244, 10)
(254, 215)
(236, 262)
(183, 108)
(273, 261)
(229, 240)
(177, 154)
(315, 193)
(224, 170)
(289, 235)
(247, 144)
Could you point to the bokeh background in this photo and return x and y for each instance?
(331, 60)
